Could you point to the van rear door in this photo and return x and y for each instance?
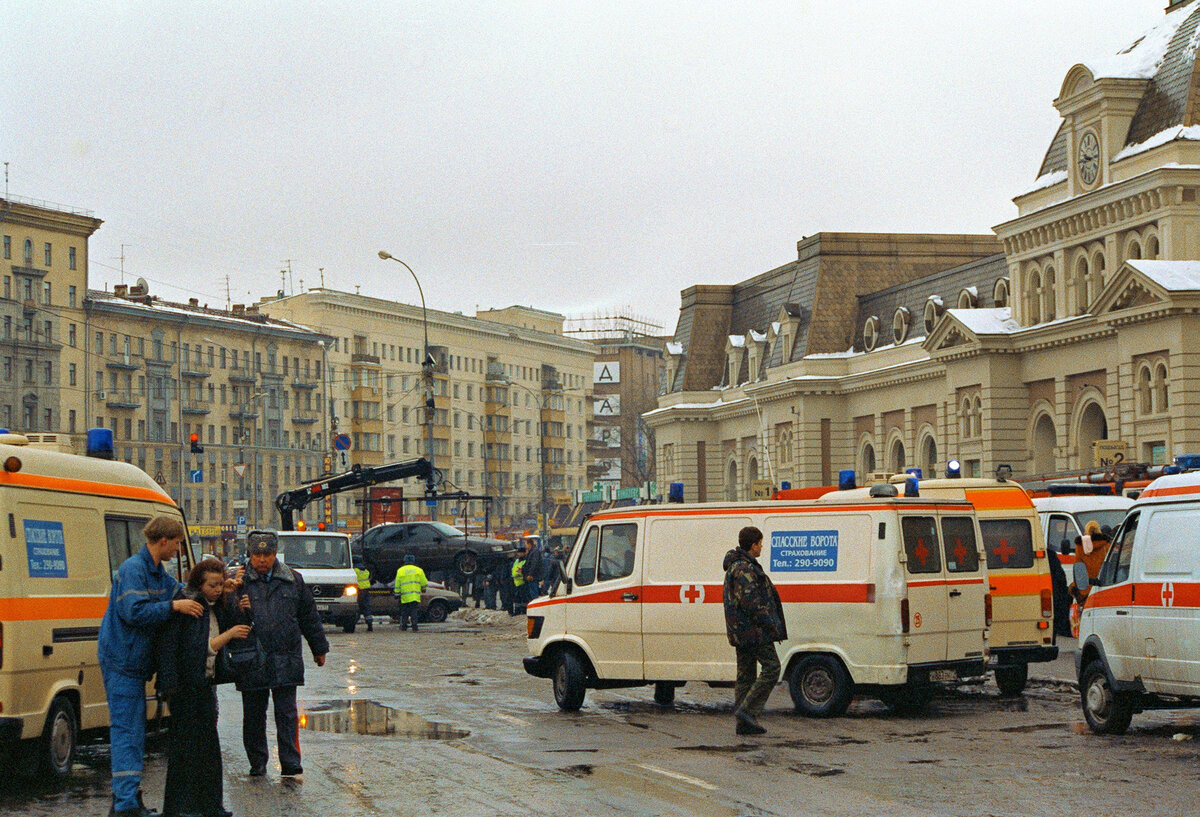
(928, 601)
(966, 588)
(605, 606)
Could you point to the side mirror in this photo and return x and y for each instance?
(562, 572)
(1066, 547)
(1080, 575)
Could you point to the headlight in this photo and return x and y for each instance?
(351, 590)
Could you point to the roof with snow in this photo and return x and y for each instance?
(1173, 276)
(993, 321)
(1166, 56)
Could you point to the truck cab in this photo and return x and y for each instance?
(322, 559)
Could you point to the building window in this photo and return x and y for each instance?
(46, 252)
(71, 421)
(28, 252)
(8, 246)
(70, 258)
(70, 334)
(71, 374)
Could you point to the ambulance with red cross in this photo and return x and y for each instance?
(882, 595)
(1140, 628)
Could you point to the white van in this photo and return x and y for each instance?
(1141, 625)
(1066, 516)
(322, 558)
(882, 595)
(70, 522)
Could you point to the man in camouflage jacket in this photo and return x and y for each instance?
(754, 622)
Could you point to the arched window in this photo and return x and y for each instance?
(897, 458)
(871, 333)
(967, 298)
(1033, 298)
(1082, 283)
(1145, 396)
(1160, 387)
(928, 458)
(29, 252)
(977, 417)
(1044, 442)
(1000, 292)
(1093, 425)
(933, 311)
(900, 323)
(866, 459)
(1133, 251)
(964, 419)
(1048, 306)
(731, 483)
(1099, 274)
(1152, 249)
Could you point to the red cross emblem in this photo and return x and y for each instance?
(691, 594)
(960, 552)
(1004, 550)
(921, 552)
(1168, 594)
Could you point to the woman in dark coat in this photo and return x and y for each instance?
(187, 677)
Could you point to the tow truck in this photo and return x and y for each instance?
(292, 502)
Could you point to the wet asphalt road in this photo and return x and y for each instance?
(469, 733)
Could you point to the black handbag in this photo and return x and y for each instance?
(242, 660)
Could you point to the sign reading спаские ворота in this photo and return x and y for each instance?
(794, 551)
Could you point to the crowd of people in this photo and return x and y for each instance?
(513, 583)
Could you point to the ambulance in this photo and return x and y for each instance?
(1022, 631)
(882, 595)
(1140, 628)
(67, 522)
(1065, 516)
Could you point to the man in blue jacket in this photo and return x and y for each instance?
(142, 598)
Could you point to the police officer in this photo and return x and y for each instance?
(143, 596)
(518, 581)
(410, 583)
(364, 590)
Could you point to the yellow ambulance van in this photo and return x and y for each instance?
(882, 595)
(67, 522)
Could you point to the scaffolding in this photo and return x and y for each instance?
(622, 323)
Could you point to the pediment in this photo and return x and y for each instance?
(1129, 288)
(948, 333)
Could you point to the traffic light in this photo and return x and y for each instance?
(196, 447)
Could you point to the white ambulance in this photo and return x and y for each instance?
(67, 523)
(882, 595)
(1064, 517)
(1140, 627)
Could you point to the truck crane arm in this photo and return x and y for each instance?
(291, 502)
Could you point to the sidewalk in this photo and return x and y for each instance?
(1061, 669)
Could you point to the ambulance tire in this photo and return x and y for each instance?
(570, 681)
(820, 686)
(1011, 679)
(664, 693)
(1107, 712)
(60, 737)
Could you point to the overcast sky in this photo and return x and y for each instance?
(573, 156)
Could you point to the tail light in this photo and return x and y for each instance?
(904, 615)
(1047, 603)
(533, 626)
(987, 609)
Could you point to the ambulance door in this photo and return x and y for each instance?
(1061, 531)
(927, 592)
(966, 588)
(1164, 619)
(604, 609)
(683, 614)
(1110, 607)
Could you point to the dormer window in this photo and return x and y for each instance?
(871, 333)
(901, 321)
(1000, 292)
(968, 298)
(933, 311)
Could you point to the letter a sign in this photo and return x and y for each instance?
(608, 371)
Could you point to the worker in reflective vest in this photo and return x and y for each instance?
(410, 582)
(518, 578)
(364, 591)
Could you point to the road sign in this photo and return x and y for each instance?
(241, 504)
(241, 525)
(195, 475)
(343, 460)
(159, 478)
(341, 442)
(239, 468)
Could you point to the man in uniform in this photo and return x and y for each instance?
(410, 583)
(364, 591)
(753, 622)
(142, 598)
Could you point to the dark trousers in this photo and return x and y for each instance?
(287, 727)
(408, 612)
(364, 605)
(194, 780)
(752, 692)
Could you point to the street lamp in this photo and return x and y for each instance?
(427, 377)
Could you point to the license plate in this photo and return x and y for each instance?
(323, 606)
(943, 675)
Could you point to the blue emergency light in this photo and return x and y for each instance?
(913, 472)
(953, 469)
(910, 487)
(100, 443)
(675, 492)
(785, 485)
(846, 480)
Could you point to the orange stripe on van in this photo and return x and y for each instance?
(947, 582)
(644, 513)
(1185, 595)
(83, 486)
(1178, 490)
(1030, 584)
(998, 499)
(53, 608)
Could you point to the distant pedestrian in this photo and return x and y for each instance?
(283, 611)
(533, 571)
(364, 590)
(410, 584)
(504, 585)
(518, 583)
(187, 678)
(754, 622)
(1061, 597)
(141, 601)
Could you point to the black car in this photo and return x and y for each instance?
(435, 546)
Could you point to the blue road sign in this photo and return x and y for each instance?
(342, 442)
(195, 475)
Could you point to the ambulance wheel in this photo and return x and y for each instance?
(466, 562)
(1107, 712)
(56, 748)
(1011, 678)
(570, 681)
(820, 686)
(664, 693)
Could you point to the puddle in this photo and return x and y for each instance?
(370, 718)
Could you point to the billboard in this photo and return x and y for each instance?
(607, 405)
(608, 371)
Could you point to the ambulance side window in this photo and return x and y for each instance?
(124, 539)
(958, 536)
(616, 551)
(1008, 543)
(921, 544)
(1120, 556)
(1061, 533)
(585, 568)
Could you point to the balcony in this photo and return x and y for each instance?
(122, 400)
(496, 373)
(125, 364)
(305, 418)
(194, 373)
(195, 407)
(243, 374)
(243, 412)
(304, 384)
(364, 359)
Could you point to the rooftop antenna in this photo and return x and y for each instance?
(321, 270)
(122, 260)
(291, 290)
(228, 300)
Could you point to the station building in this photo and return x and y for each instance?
(1075, 322)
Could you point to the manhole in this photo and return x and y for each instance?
(370, 718)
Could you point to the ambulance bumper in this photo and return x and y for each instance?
(537, 666)
(10, 730)
(1005, 656)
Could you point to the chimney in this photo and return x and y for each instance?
(239, 309)
(120, 289)
(193, 302)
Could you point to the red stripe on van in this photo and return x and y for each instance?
(1185, 595)
(843, 593)
(53, 608)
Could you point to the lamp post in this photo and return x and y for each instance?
(427, 378)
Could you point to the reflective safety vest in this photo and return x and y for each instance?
(518, 572)
(410, 581)
(364, 578)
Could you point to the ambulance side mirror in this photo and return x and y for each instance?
(1080, 575)
(566, 580)
(1066, 547)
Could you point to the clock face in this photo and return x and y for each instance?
(1089, 158)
